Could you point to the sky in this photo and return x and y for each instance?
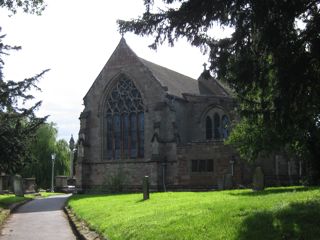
(74, 39)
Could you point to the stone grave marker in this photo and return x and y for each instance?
(30, 185)
(145, 188)
(18, 185)
(258, 179)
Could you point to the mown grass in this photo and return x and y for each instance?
(5, 201)
(276, 213)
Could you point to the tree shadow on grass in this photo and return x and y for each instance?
(274, 191)
(297, 221)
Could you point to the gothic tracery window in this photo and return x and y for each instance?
(124, 122)
(225, 126)
(216, 126)
(208, 128)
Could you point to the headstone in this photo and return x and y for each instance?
(18, 185)
(258, 179)
(145, 188)
(29, 185)
(61, 183)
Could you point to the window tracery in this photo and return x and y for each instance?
(124, 122)
(217, 125)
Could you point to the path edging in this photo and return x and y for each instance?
(80, 228)
(12, 208)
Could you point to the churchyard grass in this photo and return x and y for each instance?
(5, 201)
(275, 213)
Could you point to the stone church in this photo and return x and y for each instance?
(141, 119)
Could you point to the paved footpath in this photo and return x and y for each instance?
(39, 219)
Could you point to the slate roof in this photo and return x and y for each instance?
(178, 83)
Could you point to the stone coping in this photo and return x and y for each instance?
(80, 228)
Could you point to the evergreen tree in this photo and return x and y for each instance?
(272, 61)
(18, 123)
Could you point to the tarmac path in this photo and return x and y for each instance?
(39, 219)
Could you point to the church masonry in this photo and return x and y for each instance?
(141, 119)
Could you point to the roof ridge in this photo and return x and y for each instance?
(171, 70)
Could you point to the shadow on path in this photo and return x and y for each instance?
(53, 203)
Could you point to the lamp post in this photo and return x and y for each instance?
(71, 146)
(53, 158)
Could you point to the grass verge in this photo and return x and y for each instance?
(276, 213)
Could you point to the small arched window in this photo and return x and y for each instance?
(124, 122)
(216, 126)
(225, 126)
(208, 128)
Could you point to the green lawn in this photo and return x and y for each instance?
(276, 213)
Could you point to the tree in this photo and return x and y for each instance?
(272, 61)
(28, 6)
(44, 144)
(18, 122)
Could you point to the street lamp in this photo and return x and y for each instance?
(71, 146)
(53, 158)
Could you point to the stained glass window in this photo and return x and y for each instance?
(225, 126)
(124, 122)
(216, 126)
(208, 128)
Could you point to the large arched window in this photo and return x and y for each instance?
(216, 126)
(124, 122)
(225, 126)
(208, 128)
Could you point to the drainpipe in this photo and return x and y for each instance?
(164, 175)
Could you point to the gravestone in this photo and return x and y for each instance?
(61, 183)
(258, 179)
(145, 188)
(30, 185)
(18, 185)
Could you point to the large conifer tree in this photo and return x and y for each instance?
(272, 61)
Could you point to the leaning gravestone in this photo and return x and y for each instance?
(145, 188)
(258, 179)
(18, 185)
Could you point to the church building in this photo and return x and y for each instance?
(141, 119)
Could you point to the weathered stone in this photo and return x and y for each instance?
(145, 188)
(61, 183)
(258, 179)
(18, 185)
(29, 185)
(178, 112)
